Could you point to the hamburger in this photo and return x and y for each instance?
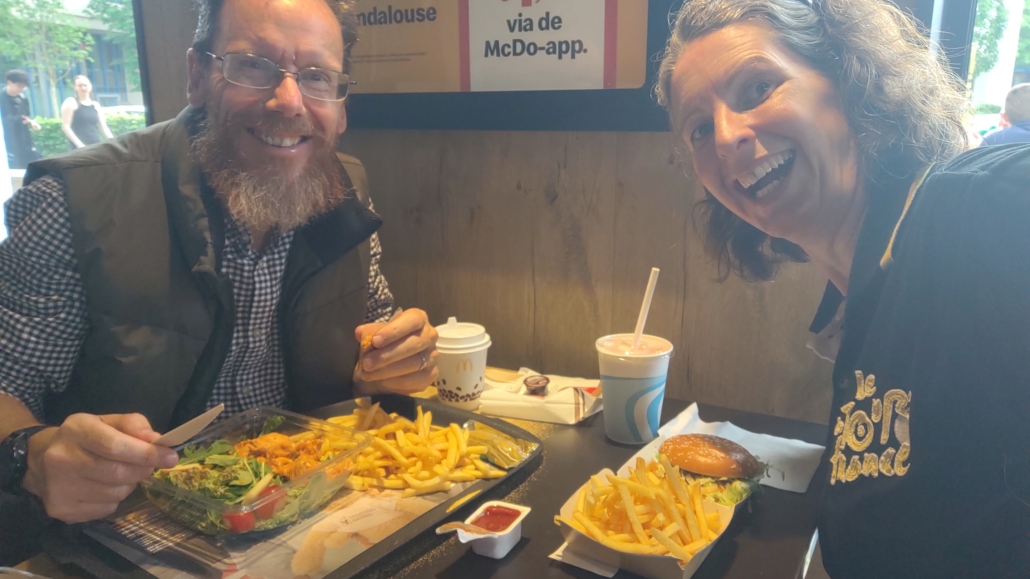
(726, 472)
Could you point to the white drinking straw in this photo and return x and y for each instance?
(646, 306)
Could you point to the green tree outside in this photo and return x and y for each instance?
(1023, 56)
(991, 19)
(117, 15)
(38, 33)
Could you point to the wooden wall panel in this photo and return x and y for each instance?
(547, 239)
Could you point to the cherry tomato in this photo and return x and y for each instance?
(269, 509)
(239, 522)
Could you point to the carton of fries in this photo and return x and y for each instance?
(658, 538)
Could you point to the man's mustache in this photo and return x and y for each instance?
(275, 124)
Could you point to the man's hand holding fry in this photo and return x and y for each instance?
(397, 357)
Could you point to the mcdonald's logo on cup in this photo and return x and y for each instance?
(462, 363)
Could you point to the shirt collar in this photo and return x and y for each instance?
(887, 206)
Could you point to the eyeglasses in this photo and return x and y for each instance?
(257, 72)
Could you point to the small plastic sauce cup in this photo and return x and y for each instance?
(501, 542)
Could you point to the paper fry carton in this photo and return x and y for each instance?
(651, 566)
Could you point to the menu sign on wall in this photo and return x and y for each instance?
(413, 46)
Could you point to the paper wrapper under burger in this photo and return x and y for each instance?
(651, 566)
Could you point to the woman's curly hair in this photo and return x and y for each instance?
(904, 106)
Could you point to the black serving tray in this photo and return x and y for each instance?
(418, 535)
(71, 547)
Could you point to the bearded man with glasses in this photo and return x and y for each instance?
(228, 256)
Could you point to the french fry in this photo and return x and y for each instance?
(696, 546)
(713, 521)
(441, 486)
(695, 496)
(592, 529)
(631, 547)
(679, 488)
(459, 438)
(677, 519)
(581, 501)
(369, 416)
(651, 510)
(413, 456)
(558, 520)
(386, 448)
(452, 451)
(631, 512)
(457, 504)
(637, 487)
(676, 550)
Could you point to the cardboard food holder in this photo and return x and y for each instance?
(651, 566)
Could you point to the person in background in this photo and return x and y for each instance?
(228, 256)
(17, 120)
(827, 131)
(82, 119)
(1015, 119)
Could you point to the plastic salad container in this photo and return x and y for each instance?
(258, 470)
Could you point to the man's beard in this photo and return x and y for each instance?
(268, 198)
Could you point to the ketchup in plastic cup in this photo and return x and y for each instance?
(633, 380)
(496, 518)
(500, 542)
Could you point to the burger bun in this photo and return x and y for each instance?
(711, 456)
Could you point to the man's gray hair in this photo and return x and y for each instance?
(208, 12)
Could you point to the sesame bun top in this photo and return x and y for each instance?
(709, 455)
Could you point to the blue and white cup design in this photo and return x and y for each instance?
(633, 388)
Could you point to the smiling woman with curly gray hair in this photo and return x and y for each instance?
(827, 130)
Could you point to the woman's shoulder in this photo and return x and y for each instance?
(978, 201)
(989, 162)
(983, 180)
(70, 102)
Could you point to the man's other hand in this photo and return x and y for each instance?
(402, 359)
(84, 468)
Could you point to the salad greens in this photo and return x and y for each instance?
(241, 477)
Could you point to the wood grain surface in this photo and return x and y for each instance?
(547, 239)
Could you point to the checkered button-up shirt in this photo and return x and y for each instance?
(43, 318)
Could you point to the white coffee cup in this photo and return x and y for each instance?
(462, 351)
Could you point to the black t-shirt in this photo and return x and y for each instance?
(929, 437)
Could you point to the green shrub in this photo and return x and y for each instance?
(50, 140)
(987, 109)
(121, 123)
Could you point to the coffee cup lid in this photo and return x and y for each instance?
(461, 335)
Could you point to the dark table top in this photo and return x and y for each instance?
(772, 541)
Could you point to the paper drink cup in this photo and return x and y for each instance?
(633, 385)
(462, 349)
